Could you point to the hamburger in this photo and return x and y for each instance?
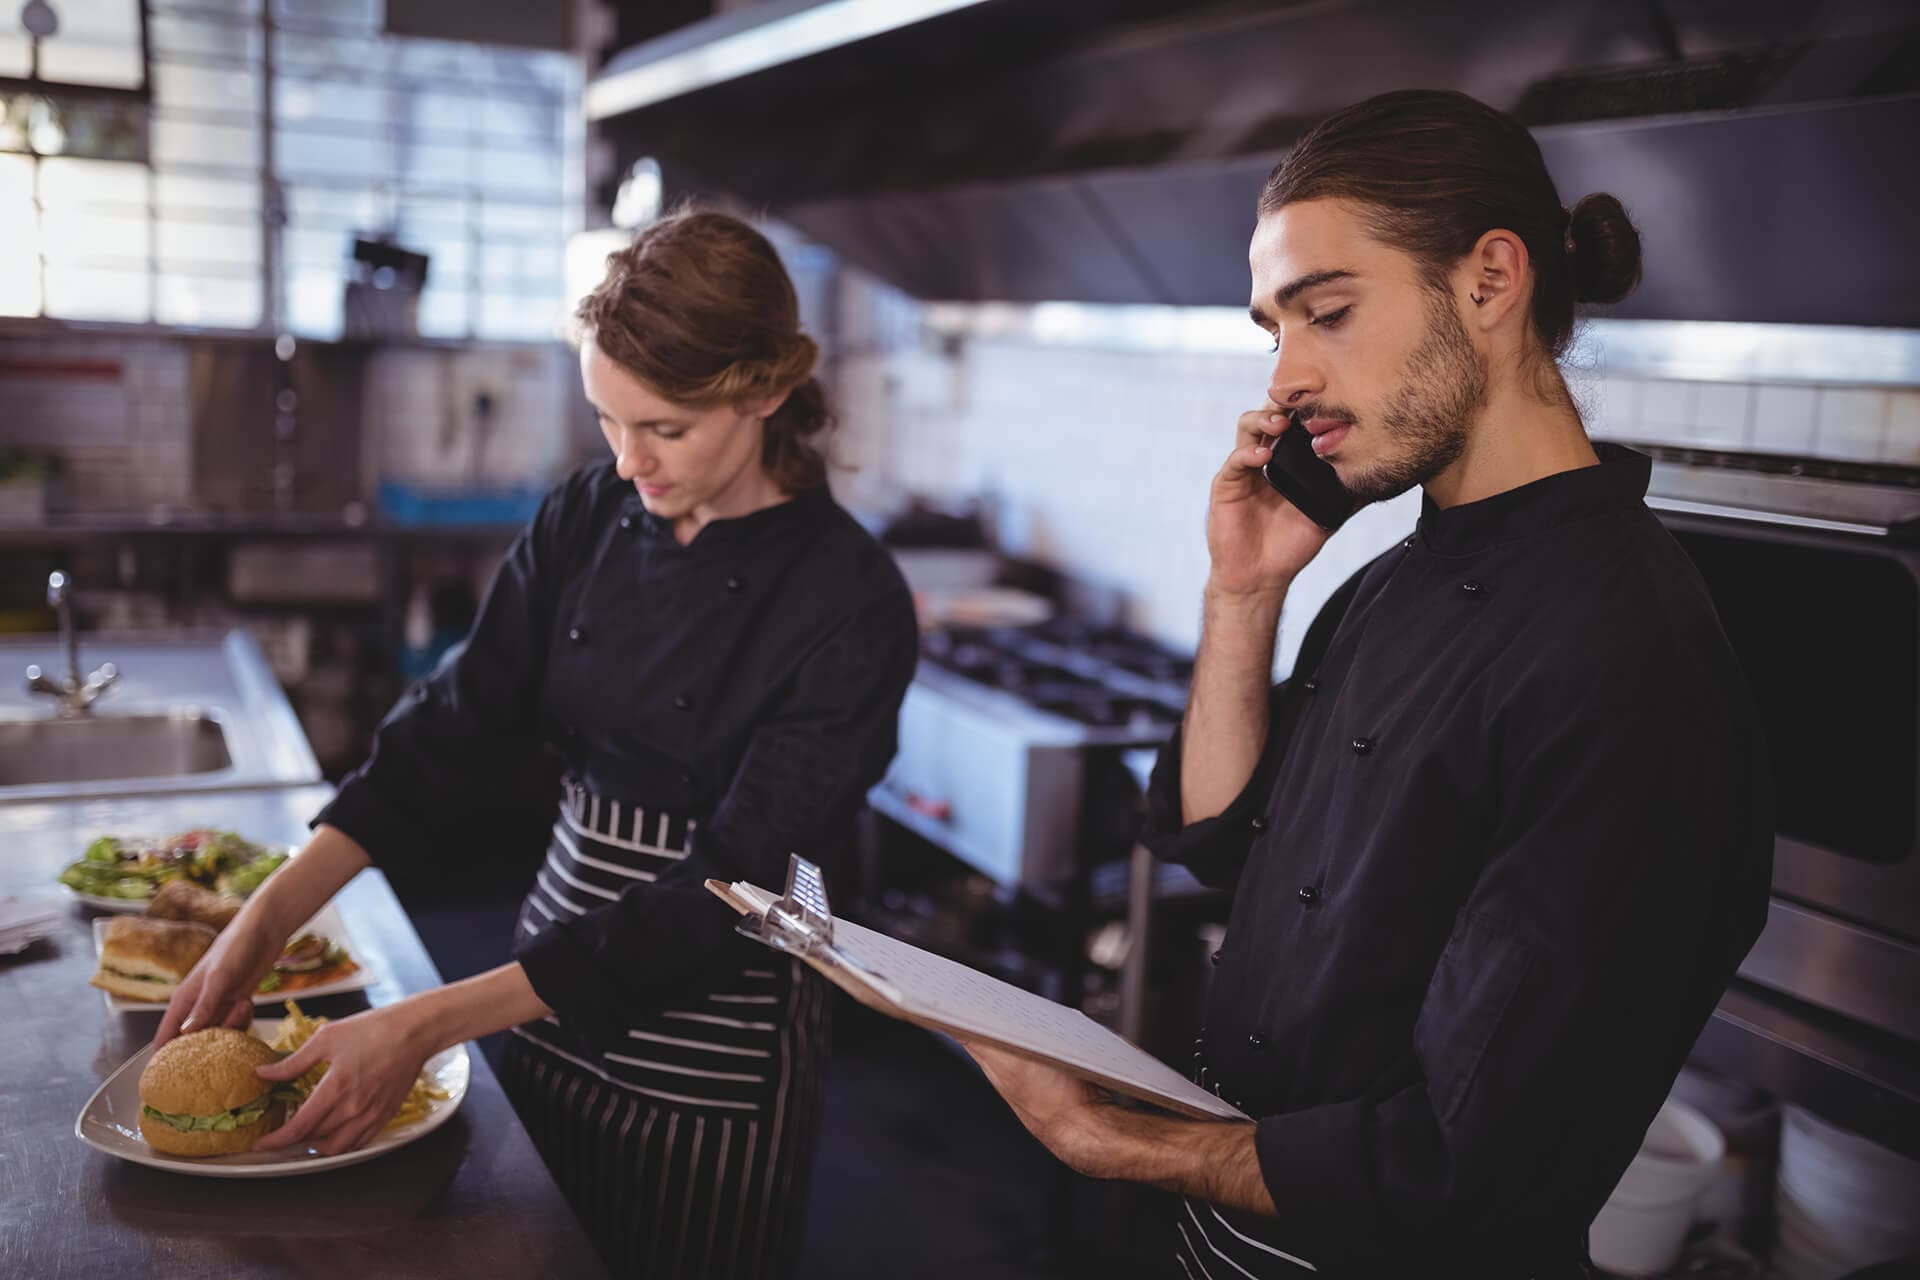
(146, 959)
(185, 900)
(200, 1097)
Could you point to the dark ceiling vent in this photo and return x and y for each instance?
(1114, 150)
(1900, 73)
(1721, 82)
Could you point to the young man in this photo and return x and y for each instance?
(1500, 842)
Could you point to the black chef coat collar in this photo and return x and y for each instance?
(1619, 481)
(796, 513)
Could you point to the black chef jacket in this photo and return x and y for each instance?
(1507, 844)
(750, 680)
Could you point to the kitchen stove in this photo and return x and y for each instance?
(1010, 739)
(1120, 686)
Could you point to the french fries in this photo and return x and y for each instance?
(299, 1028)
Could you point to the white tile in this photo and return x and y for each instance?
(1850, 423)
(159, 420)
(170, 373)
(1723, 415)
(145, 371)
(1783, 418)
(1613, 408)
(1667, 404)
(1903, 428)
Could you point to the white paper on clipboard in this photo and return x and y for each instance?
(906, 982)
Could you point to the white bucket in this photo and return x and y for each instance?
(1644, 1222)
(1847, 1198)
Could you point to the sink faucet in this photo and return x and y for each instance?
(76, 696)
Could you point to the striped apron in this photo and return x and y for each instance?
(1219, 1243)
(686, 1150)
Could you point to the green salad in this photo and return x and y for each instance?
(134, 867)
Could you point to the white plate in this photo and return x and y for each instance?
(110, 1122)
(326, 922)
(128, 905)
(122, 905)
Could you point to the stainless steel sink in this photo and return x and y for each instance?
(98, 748)
(188, 711)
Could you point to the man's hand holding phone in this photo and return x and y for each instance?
(1257, 539)
(1307, 480)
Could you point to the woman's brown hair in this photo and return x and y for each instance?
(700, 308)
(1436, 170)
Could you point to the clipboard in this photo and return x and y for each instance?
(905, 982)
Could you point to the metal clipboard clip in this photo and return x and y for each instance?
(800, 923)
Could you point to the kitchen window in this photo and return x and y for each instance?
(275, 134)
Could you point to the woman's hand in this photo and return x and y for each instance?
(1257, 539)
(373, 1059)
(219, 990)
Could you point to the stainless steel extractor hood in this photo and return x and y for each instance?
(1028, 150)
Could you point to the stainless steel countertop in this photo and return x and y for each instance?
(223, 674)
(471, 1199)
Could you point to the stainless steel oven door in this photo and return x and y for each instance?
(1827, 627)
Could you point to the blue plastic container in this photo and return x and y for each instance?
(410, 504)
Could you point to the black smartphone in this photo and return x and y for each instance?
(1306, 481)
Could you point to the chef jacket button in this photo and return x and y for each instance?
(686, 776)
(1310, 686)
(1309, 895)
(626, 522)
(1258, 823)
(1215, 957)
(1255, 1040)
(681, 701)
(734, 584)
(577, 634)
(1471, 588)
(1362, 745)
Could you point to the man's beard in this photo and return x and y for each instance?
(1426, 420)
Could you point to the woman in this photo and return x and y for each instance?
(716, 653)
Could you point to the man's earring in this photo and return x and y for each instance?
(1477, 299)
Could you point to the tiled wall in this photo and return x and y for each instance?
(1843, 423)
(118, 407)
(423, 427)
(1098, 461)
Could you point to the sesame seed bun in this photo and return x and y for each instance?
(207, 1073)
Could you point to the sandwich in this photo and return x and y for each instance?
(185, 900)
(308, 961)
(146, 959)
(199, 1095)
